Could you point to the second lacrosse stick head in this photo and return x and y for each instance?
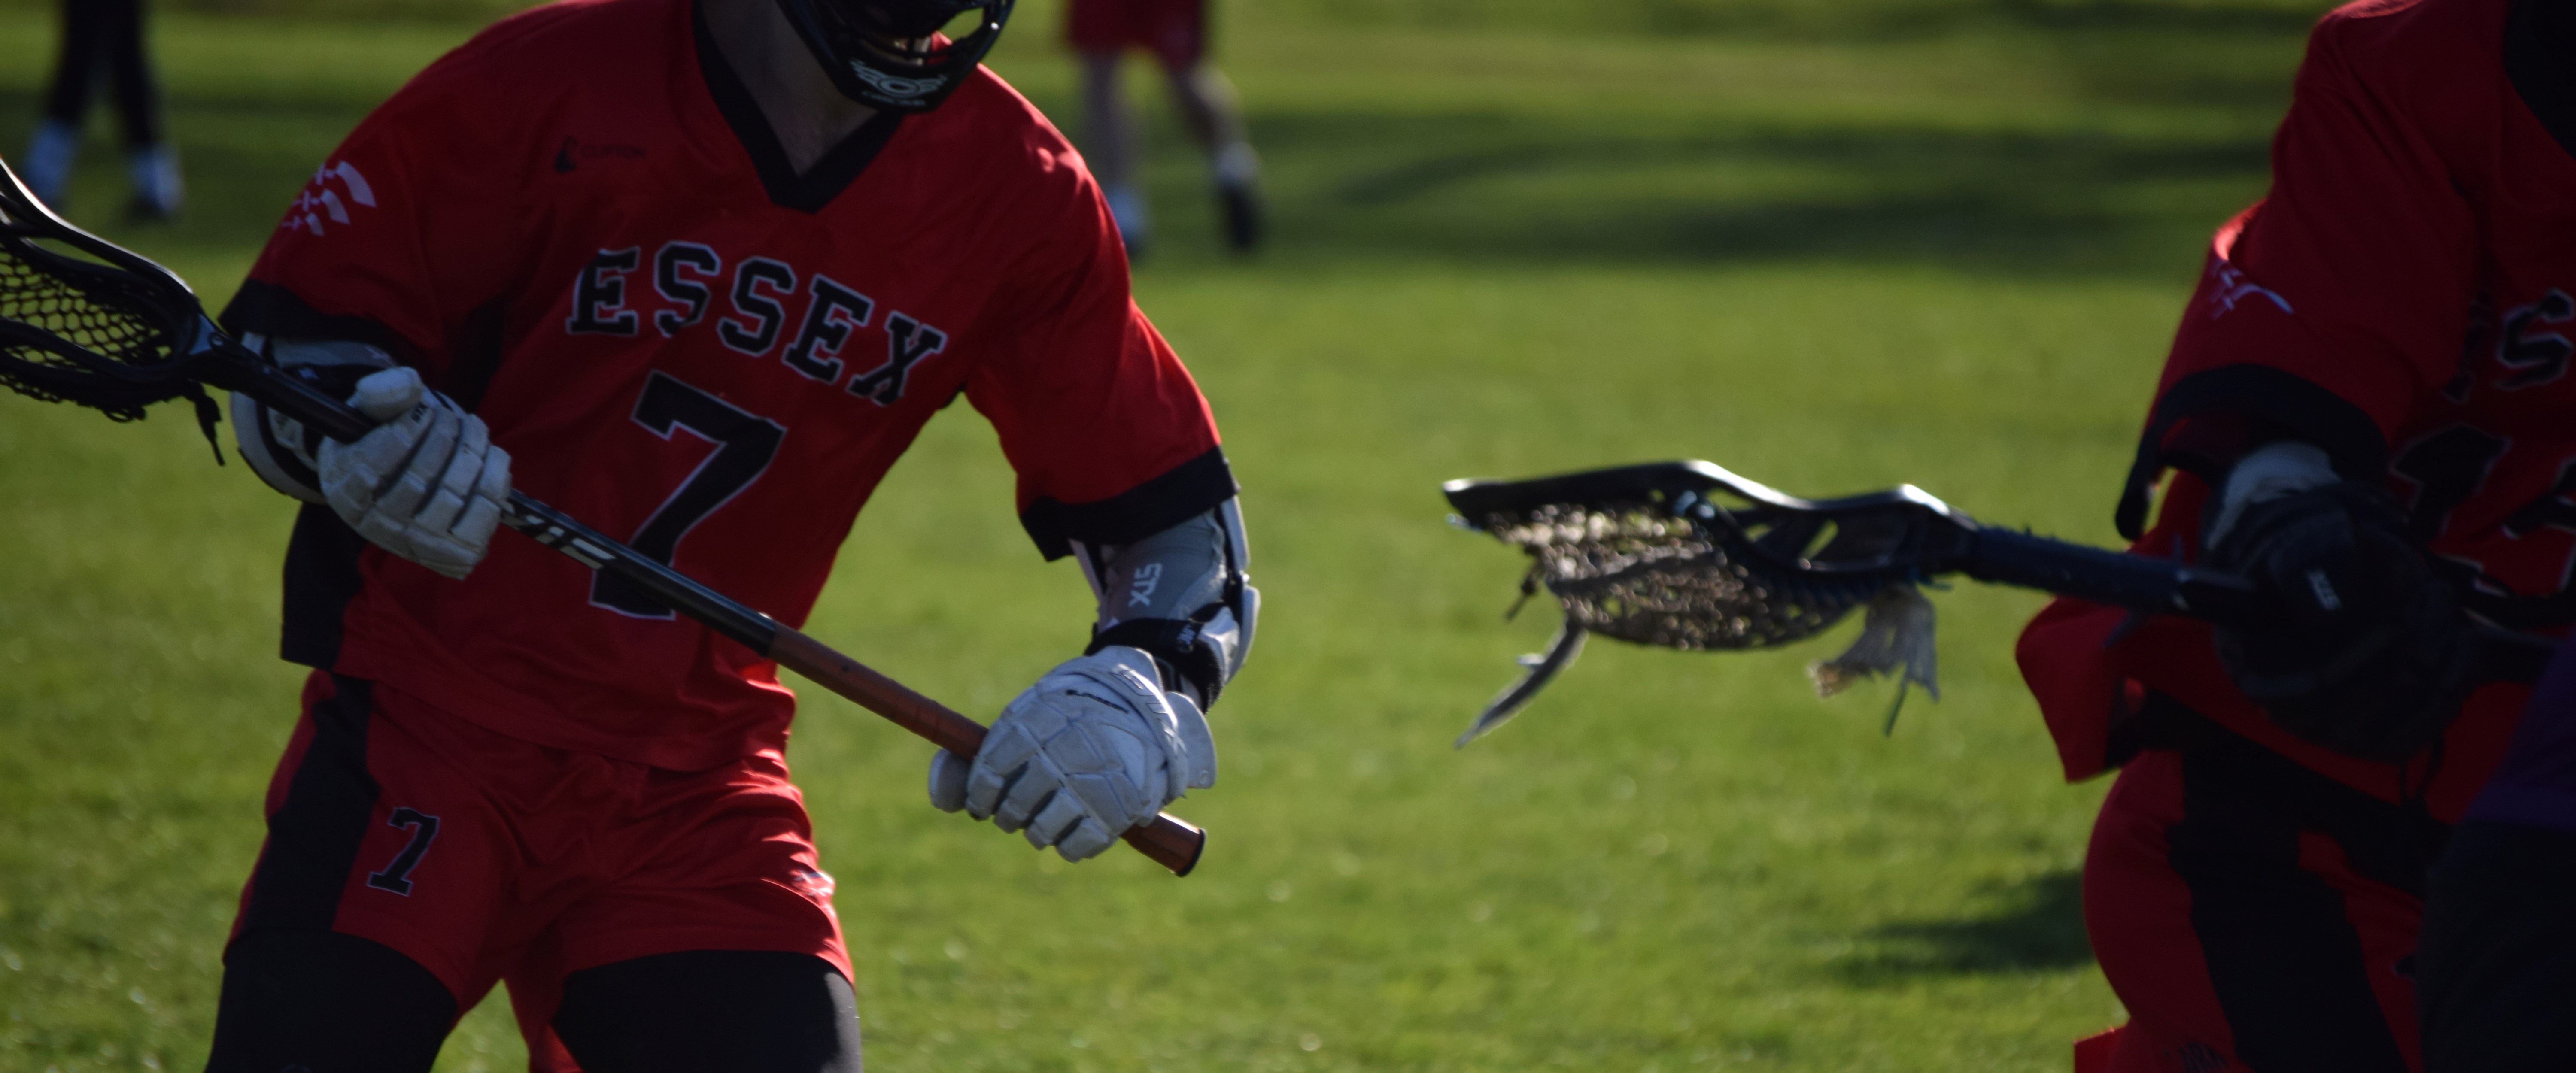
(1687, 555)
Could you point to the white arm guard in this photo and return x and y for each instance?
(426, 484)
(1104, 741)
(1181, 595)
(277, 447)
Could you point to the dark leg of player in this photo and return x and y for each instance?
(2497, 964)
(327, 1003)
(47, 163)
(152, 166)
(110, 32)
(750, 1011)
(1113, 144)
(1213, 115)
(84, 26)
(138, 101)
(2251, 913)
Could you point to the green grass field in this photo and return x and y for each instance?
(1834, 247)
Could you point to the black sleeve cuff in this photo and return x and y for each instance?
(2264, 403)
(1185, 491)
(2537, 36)
(278, 313)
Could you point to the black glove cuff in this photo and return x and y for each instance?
(1178, 652)
(2368, 506)
(2369, 654)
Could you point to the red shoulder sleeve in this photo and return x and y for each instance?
(404, 231)
(1107, 431)
(2330, 309)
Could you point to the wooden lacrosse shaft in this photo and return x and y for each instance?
(1170, 841)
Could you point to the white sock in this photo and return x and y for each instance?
(1235, 165)
(1128, 206)
(154, 172)
(48, 165)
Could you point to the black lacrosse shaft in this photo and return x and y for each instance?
(231, 368)
(2137, 582)
(2162, 586)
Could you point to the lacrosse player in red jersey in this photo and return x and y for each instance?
(696, 271)
(2367, 407)
(1176, 33)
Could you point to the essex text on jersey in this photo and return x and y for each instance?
(686, 276)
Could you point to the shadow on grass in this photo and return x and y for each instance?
(1838, 20)
(2173, 103)
(1507, 187)
(1489, 188)
(2036, 925)
(2161, 15)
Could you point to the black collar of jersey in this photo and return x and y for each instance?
(2537, 38)
(806, 193)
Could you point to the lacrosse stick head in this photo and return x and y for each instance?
(1687, 555)
(86, 322)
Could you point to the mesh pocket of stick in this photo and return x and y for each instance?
(1686, 555)
(86, 322)
(1638, 572)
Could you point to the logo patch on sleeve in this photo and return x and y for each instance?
(321, 205)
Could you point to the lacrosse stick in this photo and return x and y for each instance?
(85, 321)
(1687, 555)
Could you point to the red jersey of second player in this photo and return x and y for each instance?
(579, 225)
(2411, 273)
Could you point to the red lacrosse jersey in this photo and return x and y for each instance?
(580, 226)
(2402, 297)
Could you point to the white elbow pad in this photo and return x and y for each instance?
(279, 448)
(1183, 595)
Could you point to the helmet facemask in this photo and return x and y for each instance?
(890, 54)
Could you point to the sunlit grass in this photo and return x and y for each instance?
(1833, 255)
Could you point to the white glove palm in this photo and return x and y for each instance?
(1094, 748)
(427, 484)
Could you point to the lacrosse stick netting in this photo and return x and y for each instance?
(1690, 557)
(1634, 571)
(78, 323)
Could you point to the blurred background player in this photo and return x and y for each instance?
(1176, 32)
(699, 271)
(104, 38)
(2367, 409)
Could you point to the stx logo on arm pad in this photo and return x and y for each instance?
(762, 299)
(1146, 579)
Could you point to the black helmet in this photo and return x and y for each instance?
(880, 52)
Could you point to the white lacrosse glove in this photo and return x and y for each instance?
(1094, 748)
(426, 484)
